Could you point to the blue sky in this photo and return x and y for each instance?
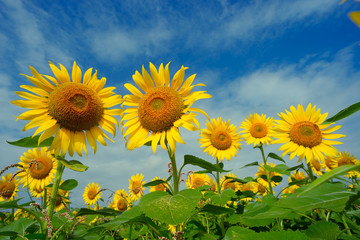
(254, 56)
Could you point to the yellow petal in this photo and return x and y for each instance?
(76, 73)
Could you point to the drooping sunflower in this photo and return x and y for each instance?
(344, 158)
(220, 139)
(40, 168)
(73, 109)
(303, 134)
(159, 107)
(262, 178)
(121, 201)
(136, 186)
(227, 183)
(196, 180)
(8, 187)
(159, 187)
(92, 193)
(258, 129)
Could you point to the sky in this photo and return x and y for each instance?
(253, 56)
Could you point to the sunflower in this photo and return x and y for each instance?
(121, 201)
(227, 183)
(71, 110)
(303, 134)
(8, 187)
(249, 186)
(262, 178)
(344, 158)
(289, 190)
(158, 107)
(220, 139)
(37, 192)
(317, 166)
(92, 193)
(62, 198)
(258, 129)
(196, 180)
(297, 176)
(136, 186)
(159, 187)
(40, 168)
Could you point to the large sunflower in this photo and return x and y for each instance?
(136, 186)
(92, 193)
(8, 187)
(71, 109)
(344, 158)
(159, 107)
(121, 201)
(303, 134)
(258, 129)
(40, 168)
(220, 139)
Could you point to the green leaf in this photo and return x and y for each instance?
(10, 204)
(32, 142)
(296, 167)
(69, 184)
(236, 232)
(171, 209)
(251, 164)
(19, 226)
(223, 198)
(38, 236)
(104, 212)
(72, 164)
(329, 175)
(155, 183)
(281, 235)
(133, 215)
(323, 230)
(343, 113)
(213, 209)
(233, 179)
(280, 168)
(192, 160)
(276, 157)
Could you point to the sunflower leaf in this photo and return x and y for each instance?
(213, 209)
(69, 184)
(32, 142)
(251, 164)
(154, 183)
(73, 164)
(343, 113)
(192, 160)
(276, 157)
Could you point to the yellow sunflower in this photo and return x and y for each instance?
(344, 158)
(226, 183)
(289, 190)
(8, 187)
(72, 109)
(159, 107)
(37, 192)
(261, 176)
(136, 186)
(250, 186)
(40, 168)
(297, 176)
(121, 201)
(196, 180)
(303, 134)
(258, 129)
(91, 193)
(317, 166)
(220, 139)
(62, 198)
(159, 187)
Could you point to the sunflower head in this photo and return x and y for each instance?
(159, 187)
(297, 176)
(92, 193)
(71, 108)
(262, 178)
(8, 187)
(344, 158)
(136, 186)
(196, 180)
(121, 201)
(227, 183)
(220, 139)
(157, 107)
(289, 190)
(303, 134)
(258, 129)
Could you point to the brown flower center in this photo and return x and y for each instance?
(258, 130)
(159, 108)
(221, 140)
(306, 134)
(41, 168)
(92, 194)
(7, 189)
(75, 106)
(121, 204)
(160, 187)
(229, 184)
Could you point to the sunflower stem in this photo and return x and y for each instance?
(175, 174)
(310, 172)
(266, 171)
(218, 177)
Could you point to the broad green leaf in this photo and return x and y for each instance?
(103, 211)
(234, 179)
(343, 113)
(327, 196)
(18, 226)
(323, 230)
(236, 232)
(329, 175)
(155, 183)
(296, 167)
(251, 164)
(69, 184)
(9, 204)
(37, 236)
(72, 164)
(170, 209)
(224, 197)
(276, 179)
(213, 209)
(133, 215)
(32, 142)
(280, 235)
(276, 157)
(192, 160)
(280, 168)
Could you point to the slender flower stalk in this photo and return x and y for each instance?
(175, 173)
(266, 171)
(55, 188)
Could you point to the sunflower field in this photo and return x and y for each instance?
(70, 112)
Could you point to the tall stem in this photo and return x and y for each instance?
(55, 189)
(218, 177)
(174, 172)
(266, 171)
(310, 172)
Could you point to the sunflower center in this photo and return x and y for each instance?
(41, 168)
(228, 185)
(159, 108)
(345, 161)
(221, 140)
(316, 164)
(121, 204)
(258, 130)
(198, 183)
(75, 106)
(160, 187)
(7, 189)
(92, 194)
(306, 134)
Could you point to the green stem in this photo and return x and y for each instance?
(35, 215)
(218, 177)
(266, 171)
(55, 189)
(310, 172)
(345, 224)
(174, 172)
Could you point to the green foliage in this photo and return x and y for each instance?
(69, 184)
(32, 142)
(343, 113)
(195, 161)
(323, 230)
(73, 164)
